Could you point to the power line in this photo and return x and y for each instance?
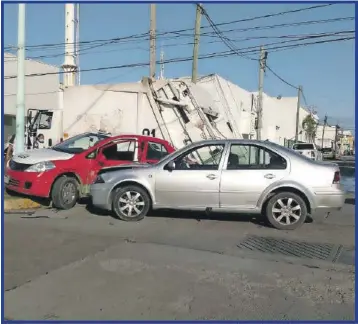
(291, 39)
(146, 34)
(280, 78)
(182, 59)
(227, 42)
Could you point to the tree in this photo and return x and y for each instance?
(309, 125)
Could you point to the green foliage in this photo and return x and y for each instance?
(309, 125)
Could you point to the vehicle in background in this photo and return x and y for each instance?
(65, 171)
(309, 150)
(243, 176)
(328, 153)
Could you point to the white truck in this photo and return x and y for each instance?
(309, 150)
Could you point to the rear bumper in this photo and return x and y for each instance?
(330, 201)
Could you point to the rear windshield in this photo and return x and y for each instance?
(303, 146)
(327, 150)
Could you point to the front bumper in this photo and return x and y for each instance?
(36, 184)
(100, 194)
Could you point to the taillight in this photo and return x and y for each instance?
(337, 177)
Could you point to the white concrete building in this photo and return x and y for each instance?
(41, 91)
(328, 136)
(278, 116)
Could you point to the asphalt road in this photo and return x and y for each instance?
(77, 265)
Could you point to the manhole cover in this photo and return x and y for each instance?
(325, 252)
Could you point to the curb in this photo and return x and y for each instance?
(14, 204)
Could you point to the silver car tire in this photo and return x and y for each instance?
(131, 203)
(286, 211)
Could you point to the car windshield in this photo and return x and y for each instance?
(79, 143)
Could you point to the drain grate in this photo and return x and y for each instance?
(325, 252)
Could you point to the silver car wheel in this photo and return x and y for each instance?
(69, 192)
(131, 203)
(286, 211)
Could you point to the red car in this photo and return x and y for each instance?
(65, 172)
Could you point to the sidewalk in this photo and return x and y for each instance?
(16, 202)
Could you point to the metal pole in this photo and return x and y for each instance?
(194, 74)
(262, 66)
(298, 112)
(152, 58)
(20, 98)
(335, 141)
(324, 127)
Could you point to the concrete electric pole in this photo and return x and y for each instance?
(194, 74)
(152, 55)
(69, 66)
(335, 141)
(324, 127)
(262, 68)
(20, 98)
(298, 111)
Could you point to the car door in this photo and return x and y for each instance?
(122, 151)
(195, 181)
(248, 171)
(153, 152)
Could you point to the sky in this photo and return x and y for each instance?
(325, 71)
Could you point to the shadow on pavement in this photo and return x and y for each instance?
(258, 220)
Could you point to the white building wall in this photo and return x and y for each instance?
(41, 92)
(235, 103)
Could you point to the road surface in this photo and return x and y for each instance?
(77, 265)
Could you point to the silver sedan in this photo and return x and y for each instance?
(240, 176)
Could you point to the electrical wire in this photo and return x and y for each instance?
(175, 60)
(145, 36)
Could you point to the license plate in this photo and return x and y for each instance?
(6, 179)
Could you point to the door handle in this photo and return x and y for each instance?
(269, 176)
(211, 176)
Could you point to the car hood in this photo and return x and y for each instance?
(124, 167)
(40, 155)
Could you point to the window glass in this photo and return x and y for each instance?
(122, 151)
(203, 158)
(79, 143)
(43, 120)
(303, 146)
(254, 157)
(156, 151)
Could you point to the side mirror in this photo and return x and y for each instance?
(170, 166)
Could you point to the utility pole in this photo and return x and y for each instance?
(324, 127)
(20, 98)
(336, 140)
(194, 74)
(153, 22)
(161, 75)
(298, 111)
(262, 68)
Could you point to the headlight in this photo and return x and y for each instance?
(99, 179)
(41, 167)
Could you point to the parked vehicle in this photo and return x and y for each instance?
(308, 149)
(328, 153)
(224, 175)
(65, 171)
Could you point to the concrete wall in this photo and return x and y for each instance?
(41, 91)
(279, 119)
